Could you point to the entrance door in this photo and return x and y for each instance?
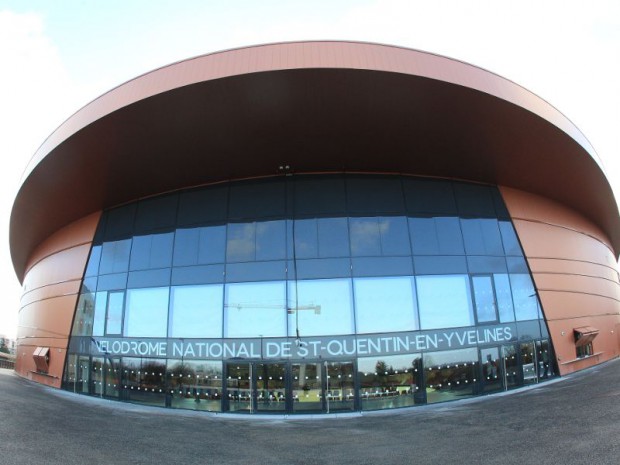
(239, 387)
(492, 373)
(271, 392)
(307, 381)
(339, 386)
(529, 363)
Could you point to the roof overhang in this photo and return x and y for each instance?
(317, 106)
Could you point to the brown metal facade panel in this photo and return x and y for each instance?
(49, 291)
(570, 298)
(566, 266)
(61, 267)
(341, 106)
(52, 286)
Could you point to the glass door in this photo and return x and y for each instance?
(307, 382)
(545, 359)
(492, 378)
(339, 386)
(271, 387)
(239, 388)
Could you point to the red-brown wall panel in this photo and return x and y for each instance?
(51, 289)
(575, 273)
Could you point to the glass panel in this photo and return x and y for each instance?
(204, 274)
(256, 271)
(365, 237)
(84, 314)
(241, 242)
(484, 297)
(156, 213)
(482, 237)
(306, 241)
(194, 385)
(115, 257)
(255, 309)
(492, 380)
(202, 206)
(119, 222)
(511, 367)
(112, 377)
(385, 304)
(528, 363)
(504, 298)
(257, 199)
(451, 375)
(307, 386)
(93, 261)
(200, 246)
(509, 238)
(339, 386)
(99, 320)
(524, 296)
(474, 200)
(196, 311)
(394, 236)
(389, 382)
(271, 240)
(545, 359)
(429, 196)
(147, 312)
(436, 236)
(444, 301)
(144, 381)
(239, 388)
(333, 236)
(382, 266)
(439, 265)
(270, 387)
(148, 278)
(114, 315)
(96, 377)
(320, 268)
(373, 194)
(324, 195)
(322, 307)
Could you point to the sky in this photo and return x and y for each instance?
(56, 56)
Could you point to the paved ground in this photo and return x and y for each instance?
(571, 421)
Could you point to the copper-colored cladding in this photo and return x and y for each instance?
(575, 273)
(319, 107)
(51, 289)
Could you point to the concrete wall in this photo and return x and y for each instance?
(575, 272)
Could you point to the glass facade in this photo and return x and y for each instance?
(308, 294)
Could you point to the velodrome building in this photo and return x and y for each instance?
(314, 227)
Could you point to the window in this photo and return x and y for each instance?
(385, 304)
(583, 340)
(444, 301)
(255, 310)
(484, 296)
(196, 311)
(114, 313)
(322, 306)
(147, 312)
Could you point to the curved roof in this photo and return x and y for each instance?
(318, 107)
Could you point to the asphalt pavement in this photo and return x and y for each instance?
(571, 420)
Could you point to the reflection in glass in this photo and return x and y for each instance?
(114, 314)
(444, 301)
(384, 304)
(322, 307)
(255, 309)
(484, 297)
(196, 311)
(151, 252)
(270, 387)
(115, 256)
(339, 386)
(524, 296)
(545, 359)
(504, 298)
(143, 381)
(146, 313)
(194, 385)
(450, 375)
(307, 387)
(436, 236)
(529, 363)
(511, 367)
(389, 382)
(492, 380)
(239, 387)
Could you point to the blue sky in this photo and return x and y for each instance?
(58, 55)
